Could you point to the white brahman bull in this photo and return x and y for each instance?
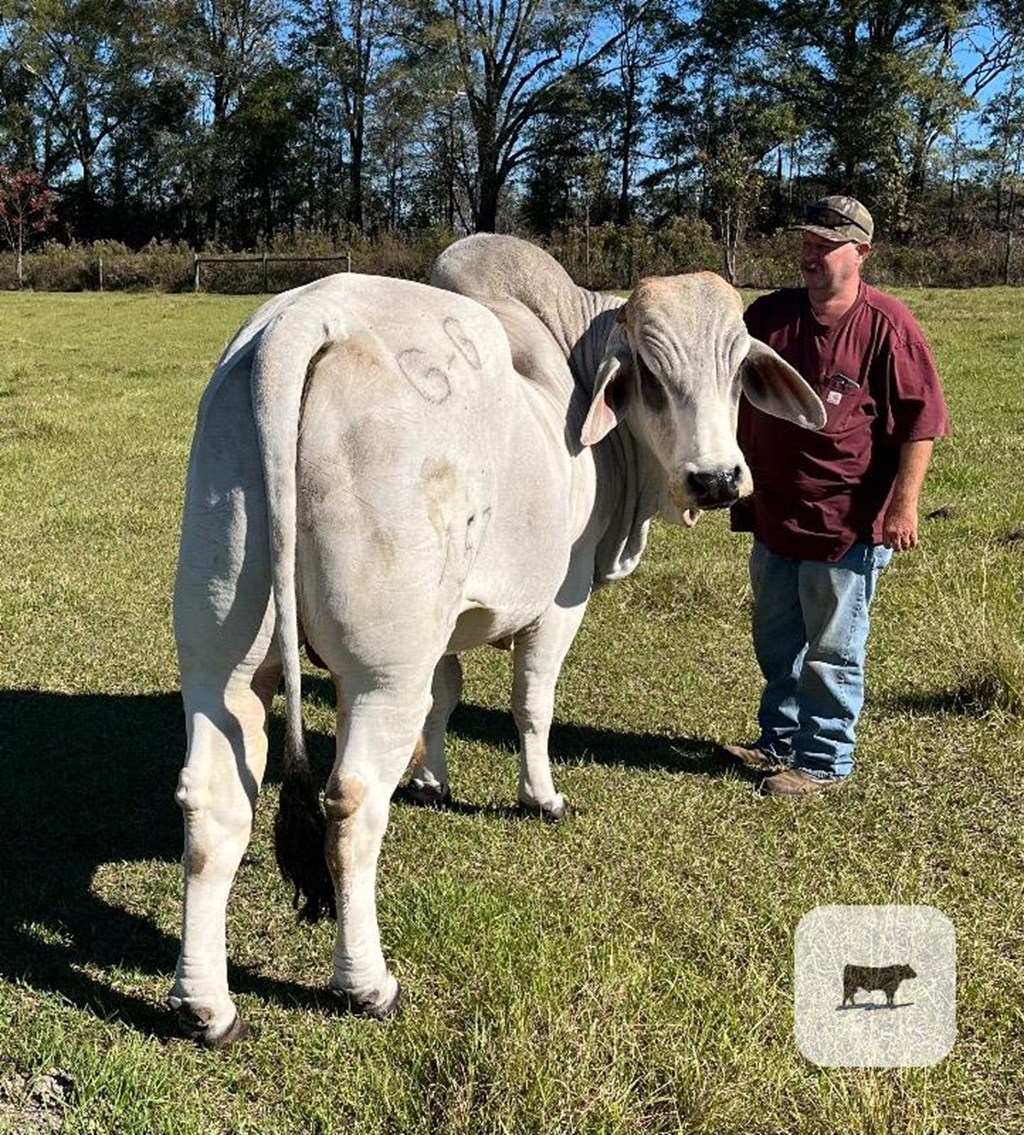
(395, 473)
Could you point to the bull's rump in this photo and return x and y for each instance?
(432, 499)
(432, 508)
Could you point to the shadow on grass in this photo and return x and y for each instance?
(570, 744)
(972, 699)
(581, 745)
(587, 745)
(89, 779)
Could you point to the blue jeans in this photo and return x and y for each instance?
(810, 629)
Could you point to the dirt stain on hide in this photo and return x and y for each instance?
(439, 482)
(195, 860)
(419, 753)
(358, 352)
(345, 793)
(370, 447)
(357, 361)
(383, 541)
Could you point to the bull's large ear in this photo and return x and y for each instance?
(774, 386)
(613, 389)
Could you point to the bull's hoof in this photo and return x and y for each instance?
(553, 813)
(195, 1027)
(368, 1006)
(426, 795)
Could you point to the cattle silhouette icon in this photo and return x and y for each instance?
(907, 952)
(871, 978)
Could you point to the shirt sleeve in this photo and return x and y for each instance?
(917, 406)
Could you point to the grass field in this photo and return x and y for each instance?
(627, 971)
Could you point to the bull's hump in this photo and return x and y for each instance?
(497, 267)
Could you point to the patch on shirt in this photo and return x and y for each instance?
(834, 396)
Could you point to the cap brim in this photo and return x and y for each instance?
(833, 235)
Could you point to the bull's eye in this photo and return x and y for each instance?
(651, 390)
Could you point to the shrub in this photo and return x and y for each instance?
(406, 258)
(685, 246)
(613, 256)
(387, 255)
(77, 267)
(608, 256)
(949, 263)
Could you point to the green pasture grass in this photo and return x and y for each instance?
(627, 971)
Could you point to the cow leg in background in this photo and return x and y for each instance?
(537, 655)
(374, 742)
(429, 781)
(217, 789)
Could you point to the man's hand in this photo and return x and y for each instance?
(899, 528)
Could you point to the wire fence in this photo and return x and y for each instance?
(264, 261)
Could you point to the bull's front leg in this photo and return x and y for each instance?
(538, 653)
(428, 783)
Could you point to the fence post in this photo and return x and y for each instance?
(266, 281)
(348, 260)
(195, 271)
(101, 273)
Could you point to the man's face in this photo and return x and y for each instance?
(828, 265)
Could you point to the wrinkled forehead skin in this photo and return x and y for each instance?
(687, 333)
(687, 326)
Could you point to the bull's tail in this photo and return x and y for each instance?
(287, 347)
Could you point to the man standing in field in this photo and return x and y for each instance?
(830, 508)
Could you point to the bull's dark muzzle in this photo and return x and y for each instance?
(718, 489)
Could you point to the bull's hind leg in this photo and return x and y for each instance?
(223, 626)
(217, 789)
(374, 742)
(429, 781)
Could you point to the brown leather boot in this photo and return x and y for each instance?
(755, 759)
(796, 782)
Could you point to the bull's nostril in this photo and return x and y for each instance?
(701, 484)
(715, 490)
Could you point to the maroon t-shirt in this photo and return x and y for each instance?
(817, 493)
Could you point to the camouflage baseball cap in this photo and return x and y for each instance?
(839, 219)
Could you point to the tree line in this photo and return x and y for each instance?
(233, 123)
